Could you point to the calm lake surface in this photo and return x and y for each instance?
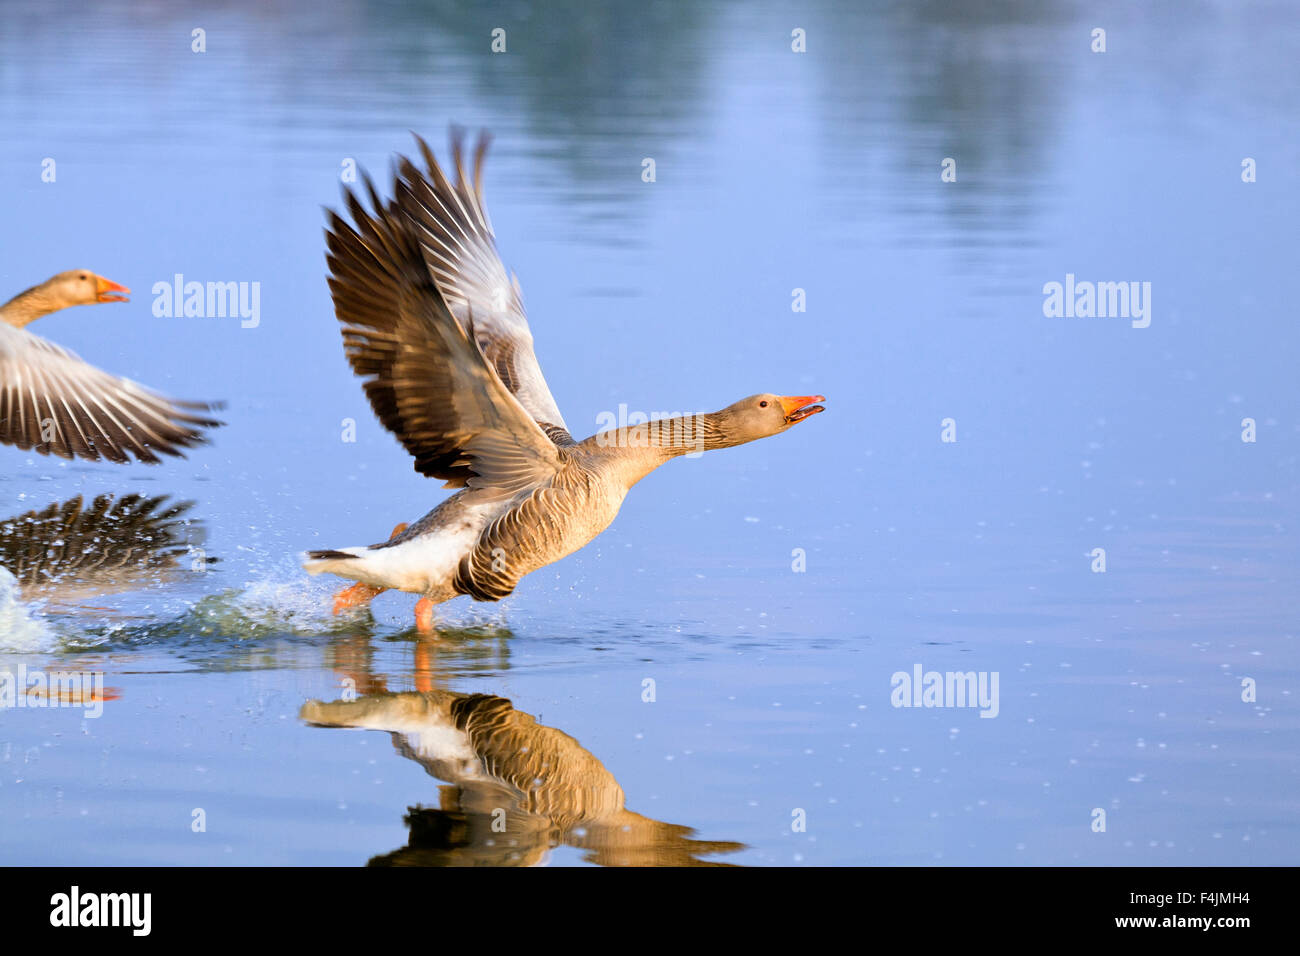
(765, 596)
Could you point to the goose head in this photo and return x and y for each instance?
(74, 287)
(759, 416)
(83, 287)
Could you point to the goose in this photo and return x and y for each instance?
(435, 326)
(52, 402)
(506, 769)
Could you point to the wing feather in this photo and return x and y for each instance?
(425, 375)
(459, 248)
(48, 392)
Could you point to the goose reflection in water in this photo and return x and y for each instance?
(71, 552)
(516, 788)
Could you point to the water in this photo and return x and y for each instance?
(1119, 691)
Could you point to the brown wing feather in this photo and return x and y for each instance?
(52, 402)
(459, 248)
(426, 378)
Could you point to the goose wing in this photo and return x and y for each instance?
(459, 249)
(52, 402)
(425, 375)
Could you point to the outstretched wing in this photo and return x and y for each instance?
(54, 403)
(459, 248)
(425, 375)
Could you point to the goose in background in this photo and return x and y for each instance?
(434, 325)
(52, 402)
(516, 788)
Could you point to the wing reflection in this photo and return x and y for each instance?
(114, 544)
(516, 788)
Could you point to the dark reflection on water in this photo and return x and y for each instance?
(982, 83)
(110, 544)
(516, 789)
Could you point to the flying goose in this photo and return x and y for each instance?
(436, 328)
(517, 788)
(54, 403)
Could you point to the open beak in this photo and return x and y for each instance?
(799, 407)
(106, 290)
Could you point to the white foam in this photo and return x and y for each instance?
(269, 607)
(21, 631)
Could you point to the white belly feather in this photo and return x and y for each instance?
(418, 565)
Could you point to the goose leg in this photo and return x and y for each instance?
(424, 615)
(359, 595)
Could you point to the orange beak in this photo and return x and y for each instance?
(799, 407)
(106, 290)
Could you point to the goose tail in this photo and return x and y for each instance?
(330, 561)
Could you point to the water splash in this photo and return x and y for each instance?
(261, 610)
(275, 607)
(266, 609)
(21, 631)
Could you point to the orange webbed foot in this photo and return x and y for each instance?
(358, 595)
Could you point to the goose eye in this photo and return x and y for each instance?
(762, 404)
(83, 278)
